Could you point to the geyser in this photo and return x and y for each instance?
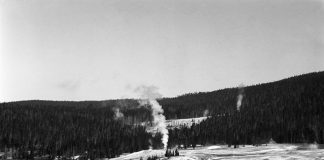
(148, 95)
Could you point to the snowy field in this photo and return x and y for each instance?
(264, 152)
(176, 123)
(186, 122)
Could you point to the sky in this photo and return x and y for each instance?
(105, 49)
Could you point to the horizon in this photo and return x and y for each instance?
(136, 98)
(105, 49)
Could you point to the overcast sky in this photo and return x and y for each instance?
(103, 49)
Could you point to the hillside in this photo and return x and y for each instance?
(289, 111)
(302, 88)
(307, 87)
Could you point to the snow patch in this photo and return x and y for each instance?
(181, 158)
(270, 151)
(214, 147)
(141, 154)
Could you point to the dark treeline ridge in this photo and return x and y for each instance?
(56, 129)
(298, 91)
(288, 111)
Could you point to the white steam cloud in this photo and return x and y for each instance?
(148, 95)
(206, 113)
(240, 97)
(118, 113)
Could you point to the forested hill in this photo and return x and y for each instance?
(289, 110)
(302, 90)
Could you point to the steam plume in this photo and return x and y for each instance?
(149, 94)
(116, 109)
(206, 113)
(240, 97)
(118, 113)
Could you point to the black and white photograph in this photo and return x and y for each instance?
(162, 79)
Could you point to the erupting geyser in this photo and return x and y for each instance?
(148, 96)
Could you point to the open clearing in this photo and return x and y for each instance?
(218, 152)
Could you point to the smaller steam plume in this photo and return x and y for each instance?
(148, 95)
(240, 97)
(206, 113)
(118, 114)
(116, 109)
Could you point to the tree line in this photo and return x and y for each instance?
(288, 111)
(65, 131)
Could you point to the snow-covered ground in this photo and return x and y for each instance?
(175, 123)
(141, 154)
(183, 122)
(269, 152)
